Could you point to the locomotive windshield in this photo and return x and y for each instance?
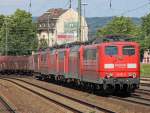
(90, 54)
(111, 50)
(36, 58)
(61, 55)
(128, 50)
(43, 58)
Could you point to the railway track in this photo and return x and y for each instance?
(8, 108)
(145, 84)
(145, 79)
(94, 107)
(136, 95)
(137, 98)
(143, 91)
(133, 99)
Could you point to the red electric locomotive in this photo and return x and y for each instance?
(112, 66)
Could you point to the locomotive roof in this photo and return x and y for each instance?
(76, 47)
(118, 38)
(113, 43)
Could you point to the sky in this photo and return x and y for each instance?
(94, 8)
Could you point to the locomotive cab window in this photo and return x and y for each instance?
(111, 50)
(36, 58)
(90, 54)
(128, 50)
(43, 58)
(61, 55)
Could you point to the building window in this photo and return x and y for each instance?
(40, 25)
(43, 58)
(44, 36)
(43, 24)
(61, 55)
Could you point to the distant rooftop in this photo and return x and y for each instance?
(52, 13)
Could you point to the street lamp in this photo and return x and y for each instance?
(84, 27)
(48, 25)
(79, 19)
(6, 36)
(6, 40)
(84, 4)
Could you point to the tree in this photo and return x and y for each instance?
(119, 25)
(146, 32)
(21, 34)
(146, 24)
(1, 20)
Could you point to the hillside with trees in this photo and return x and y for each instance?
(94, 23)
(119, 25)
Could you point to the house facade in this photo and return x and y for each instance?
(60, 26)
(146, 58)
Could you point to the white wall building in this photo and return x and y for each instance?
(146, 58)
(60, 26)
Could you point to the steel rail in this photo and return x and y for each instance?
(45, 97)
(69, 97)
(131, 101)
(145, 84)
(8, 107)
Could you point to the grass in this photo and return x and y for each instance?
(145, 70)
(92, 112)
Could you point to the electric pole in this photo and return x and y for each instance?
(30, 5)
(79, 19)
(84, 23)
(70, 5)
(48, 28)
(6, 38)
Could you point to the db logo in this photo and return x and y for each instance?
(120, 65)
(120, 74)
(120, 57)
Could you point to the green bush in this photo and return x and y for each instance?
(145, 70)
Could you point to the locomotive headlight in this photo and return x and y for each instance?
(108, 75)
(133, 75)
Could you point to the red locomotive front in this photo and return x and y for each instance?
(120, 65)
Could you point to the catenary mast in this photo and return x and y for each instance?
(79, 20)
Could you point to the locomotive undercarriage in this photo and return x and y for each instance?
(16, 72)
(121, 84)
(111, 85)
